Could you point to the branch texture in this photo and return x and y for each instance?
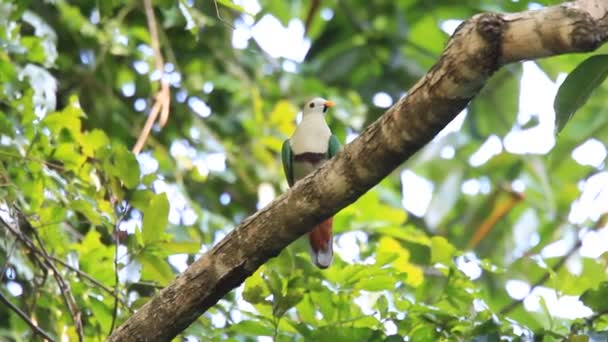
(477, 49)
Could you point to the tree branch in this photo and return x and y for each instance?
(601, 222)
(476, 50)
(162, 100)
(26, 319)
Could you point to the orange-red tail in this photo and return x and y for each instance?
(321, 244)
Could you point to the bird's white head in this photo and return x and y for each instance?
(317, 105)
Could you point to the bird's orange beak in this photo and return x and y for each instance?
(329, 103)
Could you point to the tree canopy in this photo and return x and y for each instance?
(496, 228)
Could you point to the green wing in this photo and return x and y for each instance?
(287, 157)
(334, 146)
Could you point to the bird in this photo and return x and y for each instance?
(311, 145)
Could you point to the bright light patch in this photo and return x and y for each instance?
(181, 148)
(417, 193)
(195, 133)
(594, 244)
(141, 67)
(207, 87)
(450, 25)
(518, 185)
(556, 249)
(181, 96)
(366, 302)
(145, 50)
(240, 35)
(491, 147)
(525, 227)
(216, 162)
(250, 6)
(517, 289)
(128, 89)
(470, 187)
(265, 195)
(147, 163)
(139, 105)
(484, 185)
(129, 225)
(131, 273)
(179, 261)
(289, 66)
(469, 267)
(327, 14)
(453, 126)
(447, 152)
(536, 96)
(351, 136)
(189, 216)
(94, 17)
(592, 152)
(173, 78)
(225, 198)
(156, 75)
(14, 288)
(87, 57)
(347, 245)
(382, 100)
(479, 305)
(592, 202)
(569, 307)
(199, 106)
(218, 320)
(278, 41)
(390, 328)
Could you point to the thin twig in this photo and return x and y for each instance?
(116, 279)
(543, 279)
(92, 280)
(33, 159)
(46, 261)
(500, 211)
(71, 268)
(25, 318)
(162, 99)
(64, 288)
(558, 265)
(217, 12)
(115, 310)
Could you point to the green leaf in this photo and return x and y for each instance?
(596, 299)
(156, 217)
(252, 328)
(442, 250)
(86, 209)
(68, 119)
(231, 5)
(255, 289)
(35, 50)
(180, 247)
(70, 157)
(377, 283)
(92, 141)
(577, 88)
(382, 304)
(126, 166)
(345, 334)
(155, 269)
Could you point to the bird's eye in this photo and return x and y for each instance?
(311, 105)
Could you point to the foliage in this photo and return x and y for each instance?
(78, 79)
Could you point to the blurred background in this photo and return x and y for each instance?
(494, 211)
